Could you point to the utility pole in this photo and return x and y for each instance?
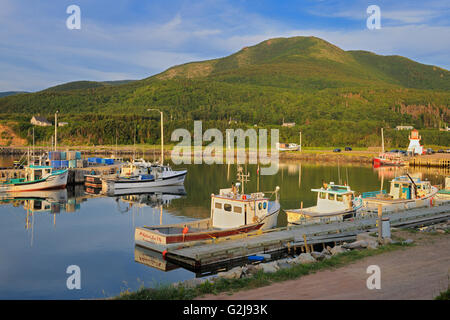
(33, 143)
(162, 140)
(300, 141)
(56, 128)
(162, 133)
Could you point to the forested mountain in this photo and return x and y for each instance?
(10, 93)
(334, 96)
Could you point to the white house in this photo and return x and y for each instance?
(40, 121)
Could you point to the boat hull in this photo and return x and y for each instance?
(400, 204)
(156, 234)
(295, 216)
(387, 162)
(54, 181)
(271, 219)
(116, 184)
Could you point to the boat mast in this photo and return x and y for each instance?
(382, 141)
(242, 178)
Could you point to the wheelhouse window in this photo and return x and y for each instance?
(237, 209)
(227, 207)
(218, 205)
(322, 195)
(331, 196)
(339, 197)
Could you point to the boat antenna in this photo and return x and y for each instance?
(414, 184)
(241, 177)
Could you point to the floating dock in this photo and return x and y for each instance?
(228, 251)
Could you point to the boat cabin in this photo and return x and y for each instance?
(405, 188)
(332, 198)
(133, 169)
(34, 172)
(142, 168)
(230, 209)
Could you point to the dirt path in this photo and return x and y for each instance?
(418, 272)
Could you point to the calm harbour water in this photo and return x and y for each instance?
(42, 237)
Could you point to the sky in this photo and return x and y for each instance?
(135, 39)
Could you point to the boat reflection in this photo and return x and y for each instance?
(152, 259)
(149, 197)
(42, 202)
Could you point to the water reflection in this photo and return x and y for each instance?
(152, 259)
(96, 231)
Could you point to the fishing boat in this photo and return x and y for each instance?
(389, 159)
(444, 194)
(405, 193)
(334, 203)
(287, 147)
(232, 213)
(135, 168)
(153, 176)
(37, 178)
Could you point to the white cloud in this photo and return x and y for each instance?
(38, 53)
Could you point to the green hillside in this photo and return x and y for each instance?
(310, 62)
(10, 93)
(76, 85)
(331, 94)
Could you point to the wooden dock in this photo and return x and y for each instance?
(225, 252)
(437, 160)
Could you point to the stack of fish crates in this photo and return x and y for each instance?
(69, 159)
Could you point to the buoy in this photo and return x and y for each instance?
(244, 197)
(164, 254)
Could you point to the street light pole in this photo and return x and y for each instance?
(56, 127)
(162, 133)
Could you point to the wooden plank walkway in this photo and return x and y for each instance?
(201, 254)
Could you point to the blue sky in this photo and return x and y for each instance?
(134, 39)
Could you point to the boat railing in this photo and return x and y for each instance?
(372, 194)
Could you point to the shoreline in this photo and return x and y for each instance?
(287, 283)
(310, 155)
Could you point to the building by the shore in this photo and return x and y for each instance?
(40, 121)
(404, 127)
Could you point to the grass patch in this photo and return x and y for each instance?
(260, 279)
(444, 295)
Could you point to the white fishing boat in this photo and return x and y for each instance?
(334, 203)
(148, 177)
(37, 178)
(135, 168)
(287, 146)
(405, 193)
(232, 213)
